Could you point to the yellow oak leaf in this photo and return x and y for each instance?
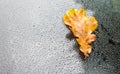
(82, 28)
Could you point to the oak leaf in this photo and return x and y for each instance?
(82, 28)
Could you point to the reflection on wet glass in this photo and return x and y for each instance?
(116, 5)
(107, 12)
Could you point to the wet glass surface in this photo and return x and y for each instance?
(34, 39)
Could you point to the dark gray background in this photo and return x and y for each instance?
(34, 40)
